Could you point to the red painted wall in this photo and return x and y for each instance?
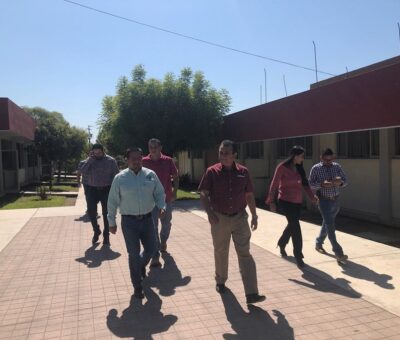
(370, 100)
(16, 120)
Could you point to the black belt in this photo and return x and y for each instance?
(333, 198)
(230, 215)
(139, 217)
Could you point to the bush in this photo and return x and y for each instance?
(42, 192)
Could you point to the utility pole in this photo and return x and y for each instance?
(89, 134)
(315, 62)
(398, 26)
(284, 84)
(265, 84)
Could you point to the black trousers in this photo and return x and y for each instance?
(94, 196)
(292, 212)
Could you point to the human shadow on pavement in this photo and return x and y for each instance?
(255, 324)
(168, 277)
(140, 321)
(188, 205)
(84, 218)
(94, 257)
(359, 271)
(323, 282)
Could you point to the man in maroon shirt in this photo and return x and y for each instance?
(166, 171)
(225, 191)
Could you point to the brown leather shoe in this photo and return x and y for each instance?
(254, 298)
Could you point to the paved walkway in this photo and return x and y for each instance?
(55, 285)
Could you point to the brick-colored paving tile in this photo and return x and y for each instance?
(55, 285)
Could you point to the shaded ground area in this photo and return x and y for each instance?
(371, 231)
(55, 284)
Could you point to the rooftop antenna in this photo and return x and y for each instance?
(265, 84)
(315, 62)
(398, 26)
(284, 84)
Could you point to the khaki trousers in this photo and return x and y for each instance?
(238, 227)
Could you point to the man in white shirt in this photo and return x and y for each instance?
(136, 191)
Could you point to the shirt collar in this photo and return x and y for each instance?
(235, 167)
(133, 172)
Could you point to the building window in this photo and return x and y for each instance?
(254, 150)
(32, 156)
(8, 159)
(238, 147)
(360, 144)
(196, 154)
(20, 149)
(284, 146)
(397, 141)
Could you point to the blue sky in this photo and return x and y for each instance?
(66, 58)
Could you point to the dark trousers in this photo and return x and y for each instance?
(94, 196)
(292, 213)
(85, 190)
(136, 232)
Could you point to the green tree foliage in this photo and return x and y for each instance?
(185, 113)
(58, 143)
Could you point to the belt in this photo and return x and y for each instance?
(229, 215)
(333, 198)
(139, 217)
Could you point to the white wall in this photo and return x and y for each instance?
(362, 194)
(396, 188)
(183, 163)
(21, 176)
(258, 169)
(198, 168)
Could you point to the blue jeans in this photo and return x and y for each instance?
(329, 209)
(138, 231)
(165, 227)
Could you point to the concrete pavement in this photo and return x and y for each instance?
(54, 284)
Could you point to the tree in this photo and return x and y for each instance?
(185, 113)
(56, 141)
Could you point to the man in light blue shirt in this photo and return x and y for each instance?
(136, 191)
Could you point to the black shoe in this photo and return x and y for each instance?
(138, 293)
(106, 240)
(96, 236)
(155, 263)
(254, 298)
(300, 263)
(282, 250)
(220, 288)
(319, 249)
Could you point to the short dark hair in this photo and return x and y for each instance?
(98, 146)
(133, 149)
(327, 152)
(229, 143)
(154, 140)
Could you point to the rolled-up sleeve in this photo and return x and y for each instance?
(343, 176)
(159, 193)
(314, 180)
(113, 203)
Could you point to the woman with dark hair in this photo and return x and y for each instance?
(288, 182)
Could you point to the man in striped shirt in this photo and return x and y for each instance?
(327, 179)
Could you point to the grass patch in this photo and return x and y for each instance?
(56, 188)
(68, 188)
(187, 195)
(25, 202)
